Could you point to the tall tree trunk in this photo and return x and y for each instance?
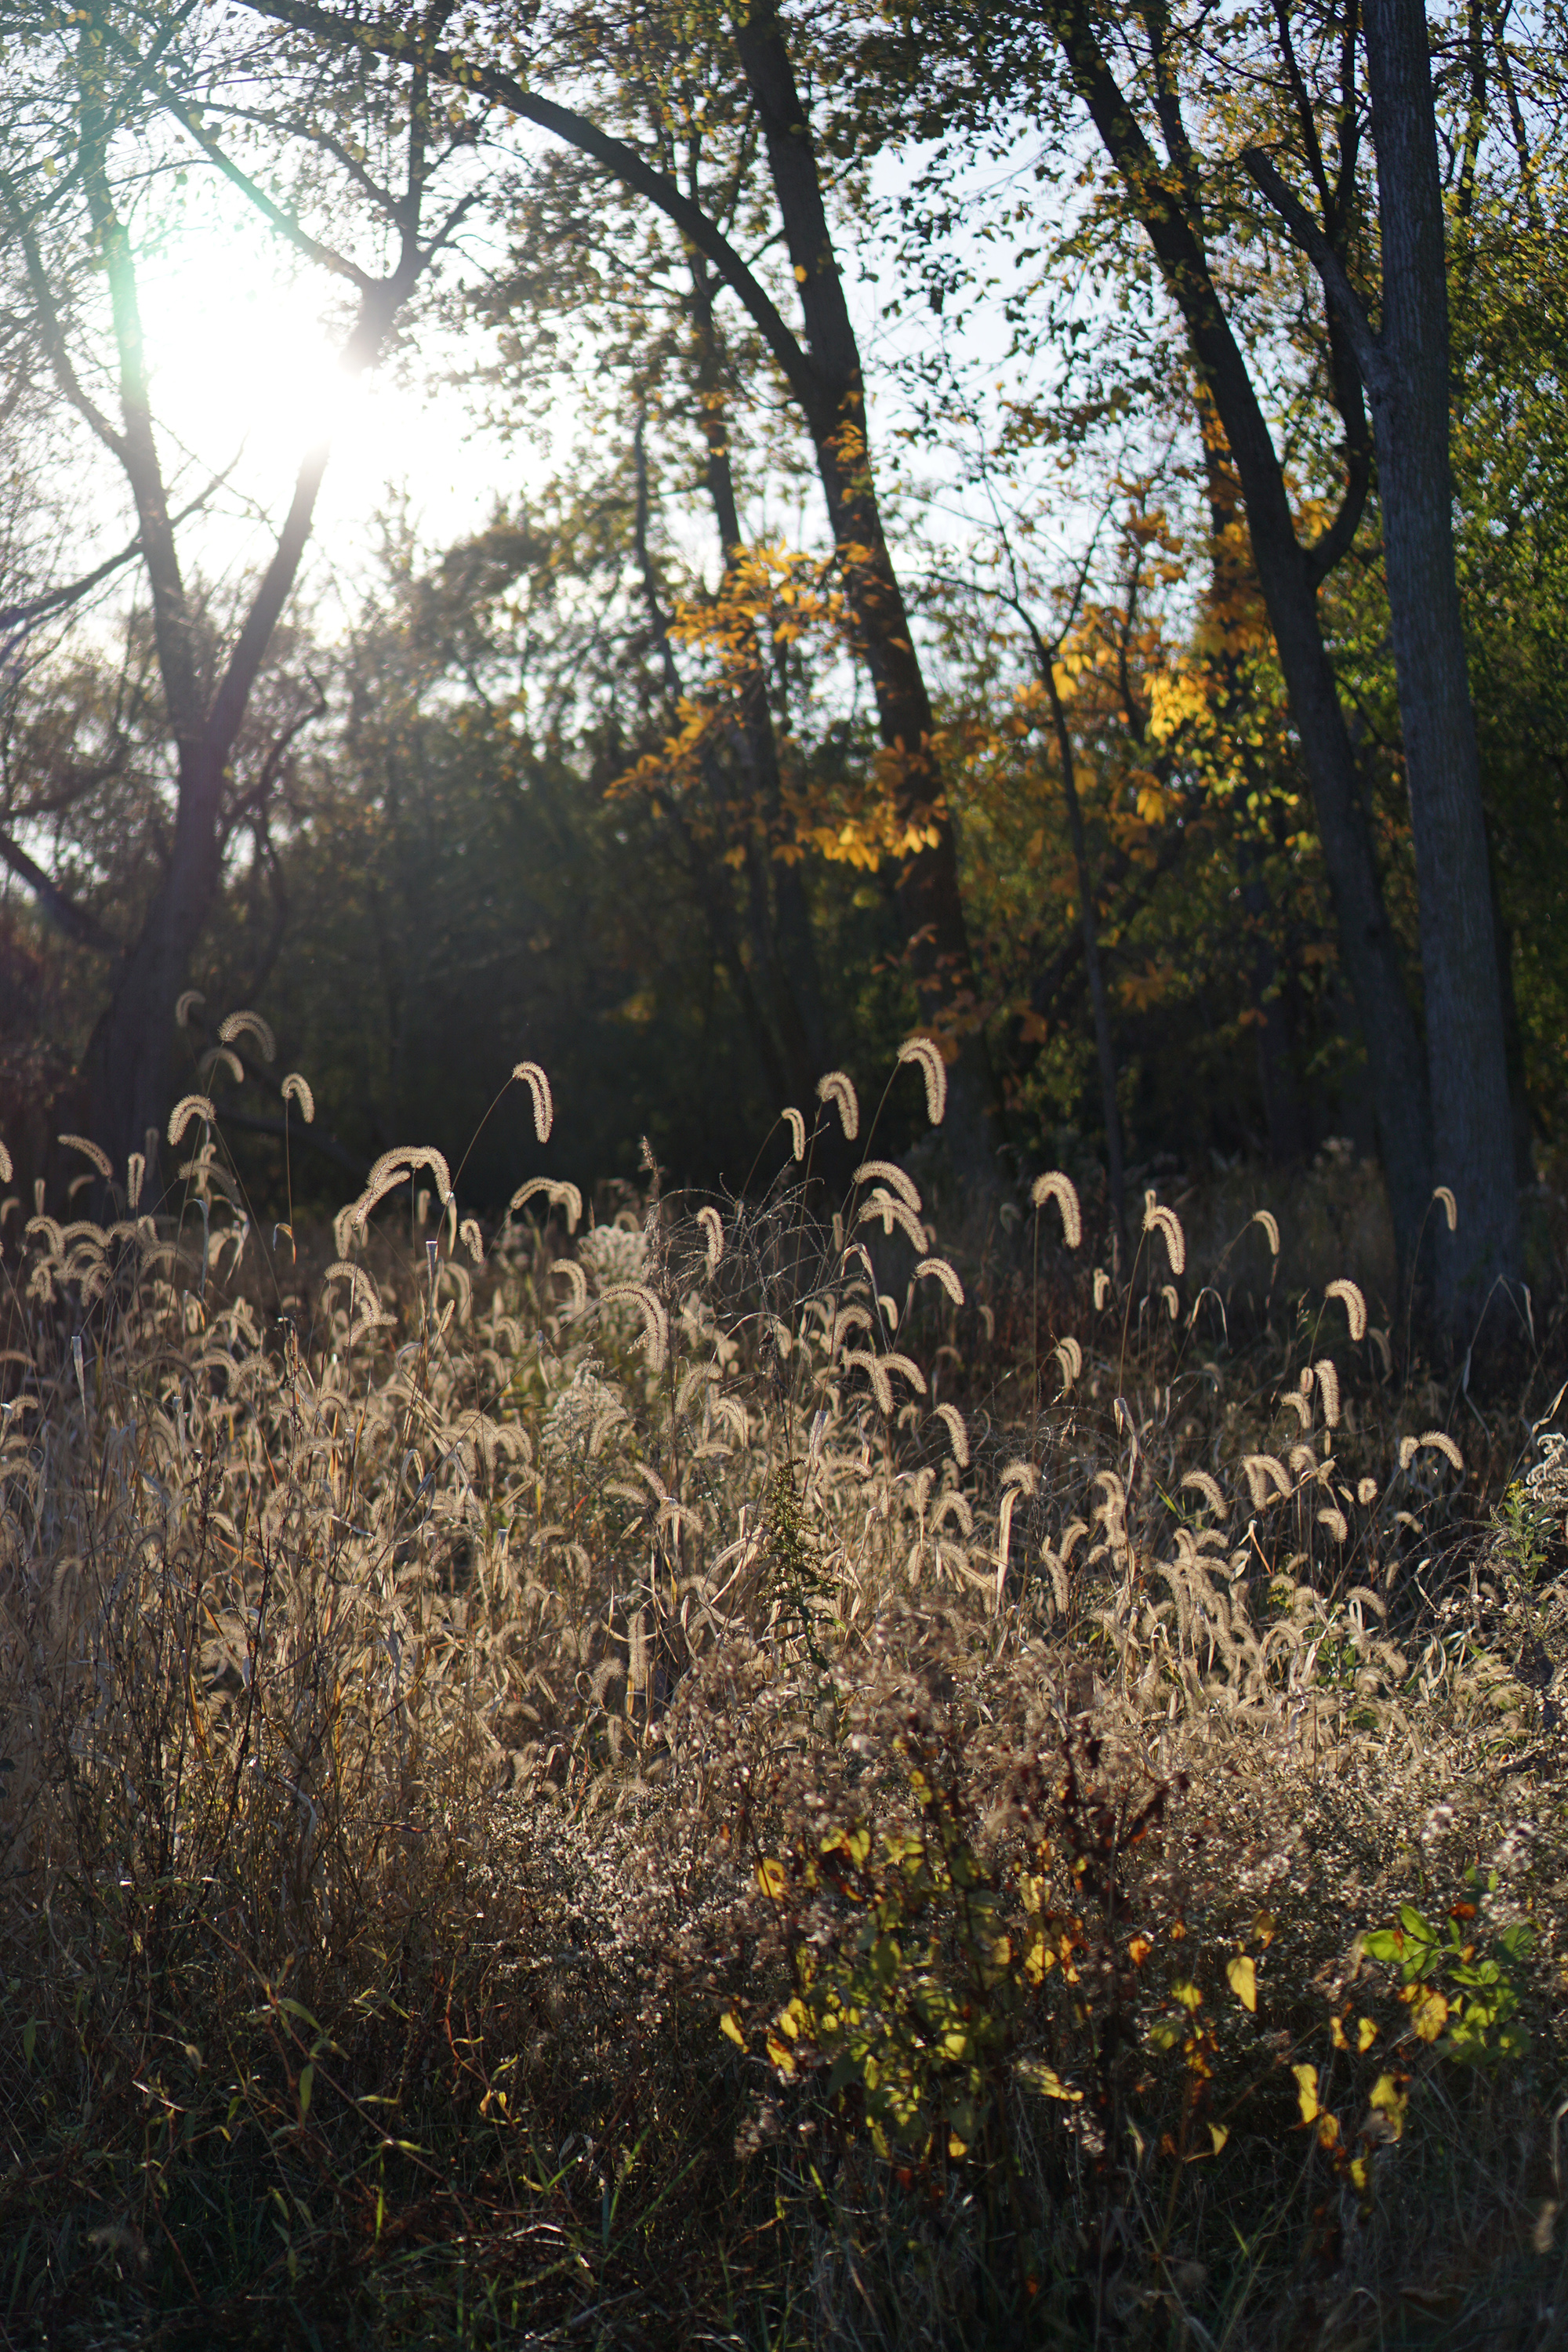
(786, 917)
(1467, 1048)
(928, 895)
(1287, 577)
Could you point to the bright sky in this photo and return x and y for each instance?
(244, 349)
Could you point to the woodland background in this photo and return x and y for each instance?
(634, 780)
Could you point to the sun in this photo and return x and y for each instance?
(244, 354)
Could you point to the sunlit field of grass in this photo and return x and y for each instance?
(716, 1772)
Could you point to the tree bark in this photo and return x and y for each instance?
(1467, 1046)
(929, 894)
(1287, 577)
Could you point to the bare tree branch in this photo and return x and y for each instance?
(73, 920)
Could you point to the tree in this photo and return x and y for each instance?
(824, 375)
(93, 126)
(1404, 365)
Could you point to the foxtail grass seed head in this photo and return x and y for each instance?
(297, 1090)
(135, 1176)
(1329, 1390)
(836, 1088)
(1070, 1356)
(559, 1195)
(185, 1004)
(957, 1430)
(1203, 1484)
(252, 1025)
(1157, 1219)
(538, 1086)
(188, 1107)
(472, 1239)
(5, 1169)
(1437, 1440)
(221, 1058)
(885, 1170)
(1449, 1206)
(1349, 1294)
(926, 1053)
(796, 1124)
(713, 1226)
(89, 1151)
(1060, 1189)
(937, 1269)
(1271, 1224)
(1101, 1290)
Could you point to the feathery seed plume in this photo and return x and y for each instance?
(957, 1430)
(1209, 1489)
(560, 1196)
(838, 1088)
(891, 1175)
(89, 1151)
(1060, 1189)
(655, 1322)
(939, 1270)
(251, 1025)
(927, 1053)
(189, 1106)
(1158, 1219)
(1329, 1389)
(538, 1087)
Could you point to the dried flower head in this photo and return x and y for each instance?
(188, 1107)
(838, 1088)
(1158, 1219)
(1055, 1186)
(89, 1151)
(937, 1269)
(870, 1170)
(926, 1053)
(538, 1086)
(251, 1025)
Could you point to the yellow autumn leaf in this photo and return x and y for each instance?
(1365, 2035)
(1390, 2102)
(1241, 1975)
(730, 2024)
(1429, 2013)
(1219, 2133)
(1307, 2092)
(771, 1880)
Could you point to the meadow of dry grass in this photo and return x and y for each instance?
(706, 1773)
